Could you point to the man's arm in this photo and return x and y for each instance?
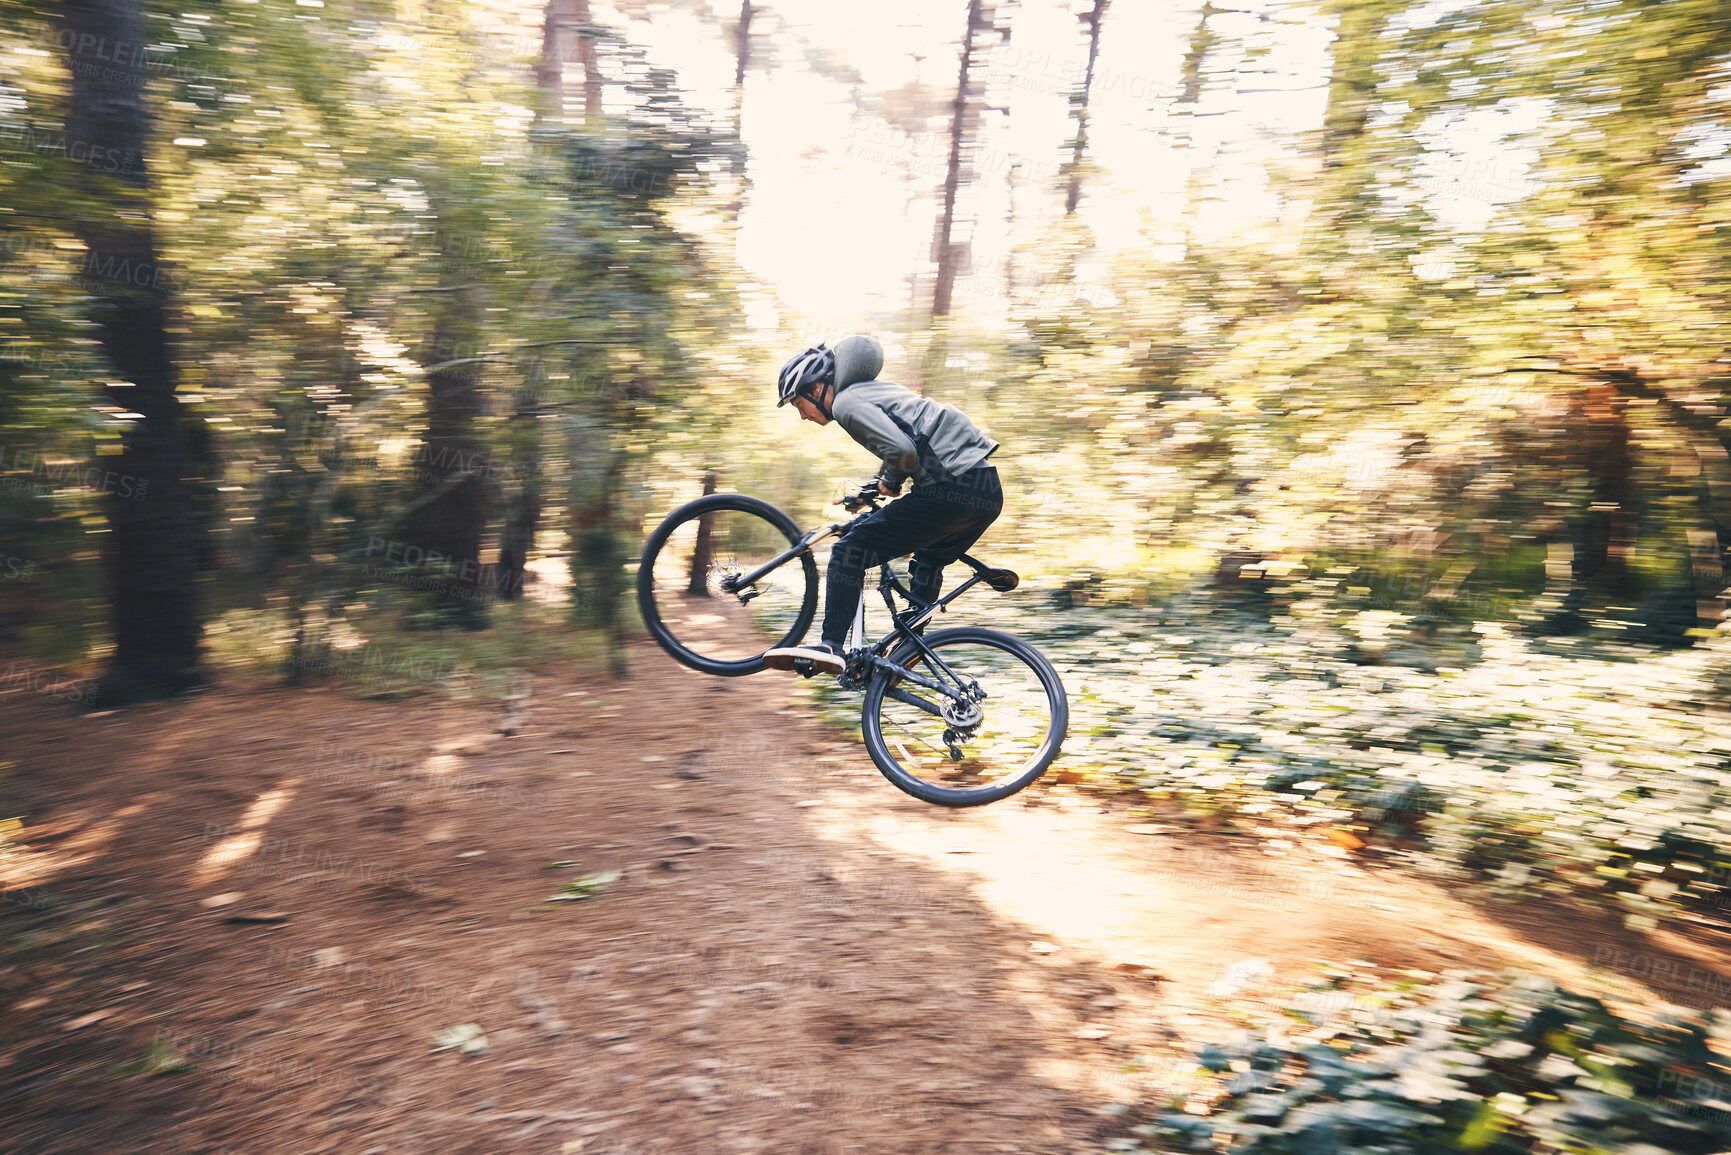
(872, 428)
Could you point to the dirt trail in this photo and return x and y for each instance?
(293, 891)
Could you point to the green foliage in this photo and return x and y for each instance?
(1467, 1064)
(1524, 766)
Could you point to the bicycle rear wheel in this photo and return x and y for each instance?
(682, 584)
(1007, 736)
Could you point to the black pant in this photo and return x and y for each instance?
(936, 523)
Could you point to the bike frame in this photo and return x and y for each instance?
(902, 626)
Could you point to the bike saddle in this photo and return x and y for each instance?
(1002, 580)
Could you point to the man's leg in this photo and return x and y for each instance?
(974, 503)
(900, 527)
(935, 523)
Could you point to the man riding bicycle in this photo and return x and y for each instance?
(955, 495)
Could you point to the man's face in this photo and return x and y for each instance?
(808, 409)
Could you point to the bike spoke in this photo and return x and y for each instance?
(694, 593)
(1006, 732)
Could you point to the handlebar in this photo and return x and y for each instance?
(866, 495)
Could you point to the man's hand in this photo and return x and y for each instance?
(886, 491)
(864, 495)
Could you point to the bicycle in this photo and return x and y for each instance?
(958, 717)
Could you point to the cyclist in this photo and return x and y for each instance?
(955, 496)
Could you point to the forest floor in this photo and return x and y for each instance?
(237, 923)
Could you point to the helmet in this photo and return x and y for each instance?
(812, 367)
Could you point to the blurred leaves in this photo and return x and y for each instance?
(1532, 767)
(1468, 1063)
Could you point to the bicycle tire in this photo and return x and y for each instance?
(1041, 754)
(777, 526)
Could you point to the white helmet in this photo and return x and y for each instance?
(812, 367)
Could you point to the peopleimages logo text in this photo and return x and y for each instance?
(21, 470)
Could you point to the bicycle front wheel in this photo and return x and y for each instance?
(1006, 733)
(685, 584)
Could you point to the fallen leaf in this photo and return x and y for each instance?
(86, 1020)
(1131, 968)
(466, 1037)
(159, 1058)
(588, 886)
(1344, 839)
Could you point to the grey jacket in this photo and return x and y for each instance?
(914, 436)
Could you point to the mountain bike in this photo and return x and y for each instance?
(955, 717)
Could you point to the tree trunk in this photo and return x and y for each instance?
(598, 562)
(550, 72)
(742, 45)
(523, 518)
(1194, 72)
(1073, 194)
(1351, 95)
(1352, 76)
(312, 641)
(1608, 533)
(562, 30)
(1605, 443)
(524, 509)
(448, 518)
(152, 547)
(963, 117)
(702, 554)
(1707, 577)
(1168, 353)
(586, 57)
(741, 62)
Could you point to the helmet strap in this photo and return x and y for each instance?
(816, 397)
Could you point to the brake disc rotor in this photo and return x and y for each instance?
(963, 715)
